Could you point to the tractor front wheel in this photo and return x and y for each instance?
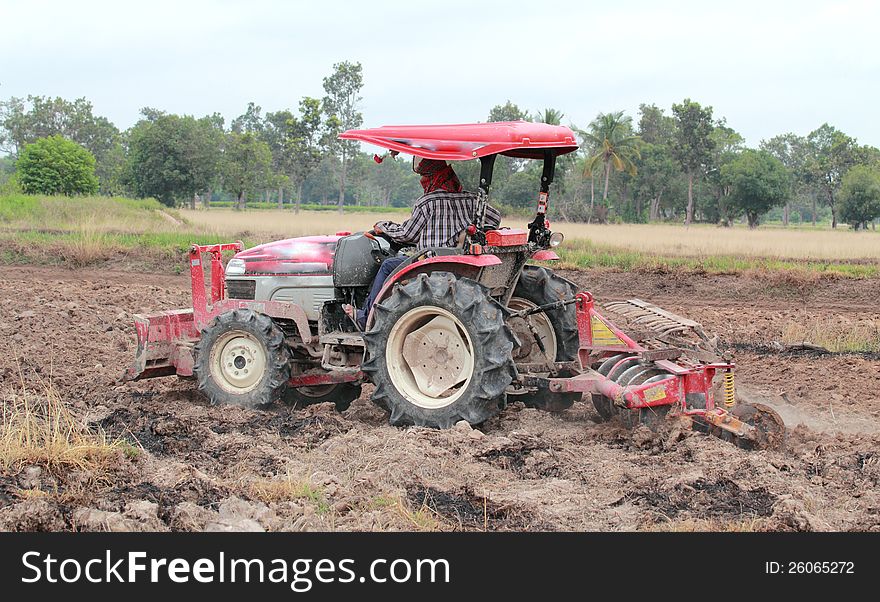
(242, 359)
(439, 352)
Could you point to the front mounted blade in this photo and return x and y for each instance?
(164, 345)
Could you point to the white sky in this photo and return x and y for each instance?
(768, 67)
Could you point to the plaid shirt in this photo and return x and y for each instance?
(438, 219)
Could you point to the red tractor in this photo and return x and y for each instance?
(455, 332)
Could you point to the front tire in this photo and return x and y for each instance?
(241, 359)
(439, 352)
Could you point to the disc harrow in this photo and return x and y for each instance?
(640, 381)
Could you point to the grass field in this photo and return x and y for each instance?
(87, 231)
(620, 246)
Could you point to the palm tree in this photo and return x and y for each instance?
(550, 116)
(612, 144)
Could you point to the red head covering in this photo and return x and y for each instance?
(437, 175)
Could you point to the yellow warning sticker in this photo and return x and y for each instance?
(655, 393)
(602, 335)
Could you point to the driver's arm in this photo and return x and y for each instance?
(409, 231)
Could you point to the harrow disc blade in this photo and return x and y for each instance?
(769, 431)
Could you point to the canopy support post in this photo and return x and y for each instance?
(487, 165)
(538, 232)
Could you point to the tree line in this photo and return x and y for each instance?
(685, 165)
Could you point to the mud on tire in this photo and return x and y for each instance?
(479, 322)
(541, 286)
(241, 359)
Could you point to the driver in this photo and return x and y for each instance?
(438, 219)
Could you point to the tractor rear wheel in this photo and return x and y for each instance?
(557, 330)
(341, 395)
(439, 352)
(241, 359)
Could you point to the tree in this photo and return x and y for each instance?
(758, 181)
(173, 157)
(250, 122)
(206, 156)
(657, 172)
(860, 196)
(727, 144)
(550, 116)
(520, 189)
(508, 112)
(247, 164)
(277, 135)
(56, 165)
(391, 181)
(23, 121)
(341, 103)
(570, 204)
(793, 151)
(7, 169)
(612, 145)
(305, 143)
(832, 153)
(505, 167)
(322, 183)
(654, 126)
(693, 143)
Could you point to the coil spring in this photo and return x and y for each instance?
(729, 389)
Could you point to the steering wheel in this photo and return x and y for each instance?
(395, 246)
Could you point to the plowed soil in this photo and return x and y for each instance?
(200, 467)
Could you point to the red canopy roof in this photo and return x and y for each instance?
(467, 141)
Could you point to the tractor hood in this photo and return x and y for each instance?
(306, 255)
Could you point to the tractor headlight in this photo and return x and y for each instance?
(556, 239)
(235, 267)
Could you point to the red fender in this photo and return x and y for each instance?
(545, 255)
(465, 265)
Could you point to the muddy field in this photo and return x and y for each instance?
(198, 467)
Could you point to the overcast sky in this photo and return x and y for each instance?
(768, 67)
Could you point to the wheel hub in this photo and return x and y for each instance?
(529, 352)
(430, 357)
(239, 362)
(436, 354)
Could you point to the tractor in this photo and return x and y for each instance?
(455, 333)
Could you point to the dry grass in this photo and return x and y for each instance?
(655, 239)
(834, 334)
(704, 525)
(420, 519)
(100, 214)
(89, 231)
(423, 518)
(289, 488)
(89, 246)
(39, 428)
(705, 241)
(272, 224)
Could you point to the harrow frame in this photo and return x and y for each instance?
(688, 390)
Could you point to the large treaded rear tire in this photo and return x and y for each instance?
(541, 286)
(267, 337)
(482, 318)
